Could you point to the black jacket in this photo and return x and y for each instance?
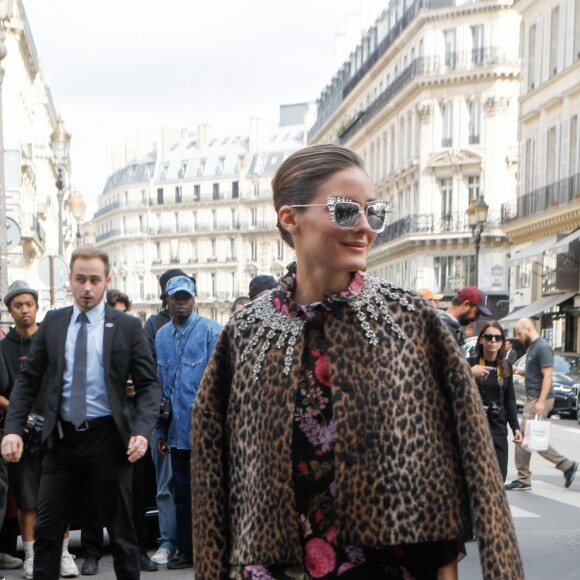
(125, 352)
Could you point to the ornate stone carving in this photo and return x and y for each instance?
(424, 110)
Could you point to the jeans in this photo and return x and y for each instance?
(164, 497)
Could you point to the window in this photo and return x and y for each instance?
(220, 167)
(196, 192)
(409, 133)
(279, 255)
(216, 191)
(140, 254)
(213, 249)
(473, 187)
(178, 196)
(555, 17)
(144, 197)
(158, 251)
(233, 253)
(551, 156)
(214, 219)
(235, 189)
(477, 56)
(450, 48)
(573, 159)
(182, 170)
(141, 224)
(532, 58)
(530, 163)
(234, 214)
(159, 224)
(447, 115)
(194, 250)
(213, 284)
(256, 188)
(474, 121)
(176, 220)
(453, 273)
(141, 287)
(163, 174)
(194, 221)
(160, 196)
(446, 188)
(253, 251)
(233, 284)
(253, 217)
(523, 275)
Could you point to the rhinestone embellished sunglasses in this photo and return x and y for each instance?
(490, 337)
(345, 213)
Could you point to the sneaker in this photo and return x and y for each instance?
(68, 568)
(162, 556)
(146, 564)
(517, 485)
(570, 473)
(8, 562)
(179, 562)
(28, 570)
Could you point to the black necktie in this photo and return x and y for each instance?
(78, 397)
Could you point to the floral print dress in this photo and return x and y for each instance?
(314, 474)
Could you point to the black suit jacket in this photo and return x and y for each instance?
(125, 353)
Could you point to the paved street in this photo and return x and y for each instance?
(547, 520)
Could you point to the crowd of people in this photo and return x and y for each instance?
(333, 428)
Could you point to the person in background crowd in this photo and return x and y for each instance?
(163, 470)
(510, 352)
(183, 350)
(24, 476)
(89, 350)
(430, 296)
(540, 401)
(497, 389)
(260, 285)
(239, 302)
(92, 527)
(315, 450)
(466, 307)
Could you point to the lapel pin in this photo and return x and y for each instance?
(109, 324)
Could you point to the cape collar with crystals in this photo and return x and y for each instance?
(274, 316)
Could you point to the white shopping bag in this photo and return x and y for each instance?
(537, 434)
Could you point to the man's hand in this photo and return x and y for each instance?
(518, 437)
(137, 448)
(162, 446)
(480, 372)
(539, 408)
(12, 447)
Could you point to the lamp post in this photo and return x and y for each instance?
(476, 219)
(60, 144)
(77, 207)
(5, 12)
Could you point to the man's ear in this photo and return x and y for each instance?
(287, 219)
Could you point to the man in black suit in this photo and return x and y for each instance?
(88, 350)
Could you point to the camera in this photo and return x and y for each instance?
(165, 410)
(494, 410)
(34, 426)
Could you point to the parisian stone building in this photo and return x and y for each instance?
(429, 99)
(201, 202)
(543, 222)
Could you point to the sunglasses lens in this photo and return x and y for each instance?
(490, 337)
(377, 216)
(346, 214)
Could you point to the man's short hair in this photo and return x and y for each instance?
(116, 296)
(89, 252)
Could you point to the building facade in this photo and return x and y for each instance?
(201, 202)
(429, 99)
(30, 172)
(543, 222)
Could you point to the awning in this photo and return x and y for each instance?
(537, 307)
(534, 249)
(562, 245)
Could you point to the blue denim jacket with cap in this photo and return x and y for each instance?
(182, 355)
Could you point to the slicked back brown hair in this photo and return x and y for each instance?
(89, 252)
(299, 177)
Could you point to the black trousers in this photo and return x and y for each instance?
(181, 465)
(92, 544)
(95, 460)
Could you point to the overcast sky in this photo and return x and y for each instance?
(118, 65)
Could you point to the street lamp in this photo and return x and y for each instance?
(60, 144)
(77, 206)
(476, 219)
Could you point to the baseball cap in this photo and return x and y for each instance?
(180, 284)
(16, 288)
(428, 294)
(260, 283)
(476, 297)
(167, 275)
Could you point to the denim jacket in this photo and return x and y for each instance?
(182, 355)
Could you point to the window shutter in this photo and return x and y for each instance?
(562, 34)
(544, 43)
(564, 148)
(543, 159)
(538, 67)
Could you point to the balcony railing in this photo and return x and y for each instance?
(428, 223)
(551, 196)
(107, 209)
(428, 66)
(106, 235)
